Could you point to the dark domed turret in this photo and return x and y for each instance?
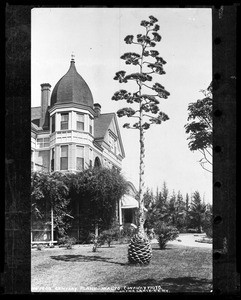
(72, 88)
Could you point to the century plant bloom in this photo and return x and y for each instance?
(147, 113)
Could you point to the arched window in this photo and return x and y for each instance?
(97, 162)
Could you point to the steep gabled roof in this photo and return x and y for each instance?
(35, 113)
(35, 127)
(101, 126)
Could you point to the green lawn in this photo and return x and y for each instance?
(176, 269)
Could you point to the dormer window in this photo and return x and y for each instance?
(80, 122)
(112, 143)
(64, 124)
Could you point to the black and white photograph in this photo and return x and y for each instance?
(121, 150)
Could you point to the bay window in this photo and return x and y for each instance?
(80, 121)
(64, 124)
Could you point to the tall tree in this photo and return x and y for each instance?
(180, 210)
(187, 208)
(158, 210)
(197, 211)
(200, 128)
(162, 203)
(172, 208)
(148, 198)
(163, 195)
(145, 108)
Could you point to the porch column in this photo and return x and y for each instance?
(52, 225)
(78, 220)
(120, 213)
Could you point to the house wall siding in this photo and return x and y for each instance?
(42, 158)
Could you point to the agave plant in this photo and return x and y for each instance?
(145, 110)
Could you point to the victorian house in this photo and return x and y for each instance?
(69, 133)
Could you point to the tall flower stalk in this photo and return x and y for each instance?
(147, 112)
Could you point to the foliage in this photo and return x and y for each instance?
(50, 189)
(114, 233)
(109, 235)
(158, 209)
(144, 106)
(200, 128)
(148, 198)
(97, 191)
(180, 212)
(192, 230)
(208, 221)
(94, 240)
(150, 233)
(127, 232)
(209, 231)
(162, 196)
(67, 241)
(173, 210)
(197, 212)
(187, 209)
(165, 233)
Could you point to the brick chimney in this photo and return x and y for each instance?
(45, 103)
(97, 109)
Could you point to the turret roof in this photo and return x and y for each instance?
(72, 88)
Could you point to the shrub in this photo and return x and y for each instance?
(192, 230)
(182, 230)
(39, 247)
(85, 237)
(94, 240)
(150, 233)
(127, 232)
(108, 236)
(208, 224)
(67, 241)
(165, 233)
(209, 231)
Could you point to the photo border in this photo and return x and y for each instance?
(16, 259)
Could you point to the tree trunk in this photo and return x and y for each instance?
(95, 238)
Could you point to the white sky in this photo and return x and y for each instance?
(96, 36)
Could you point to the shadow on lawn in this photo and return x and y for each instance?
(158, 248)
(85, 258)
(174, 285)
